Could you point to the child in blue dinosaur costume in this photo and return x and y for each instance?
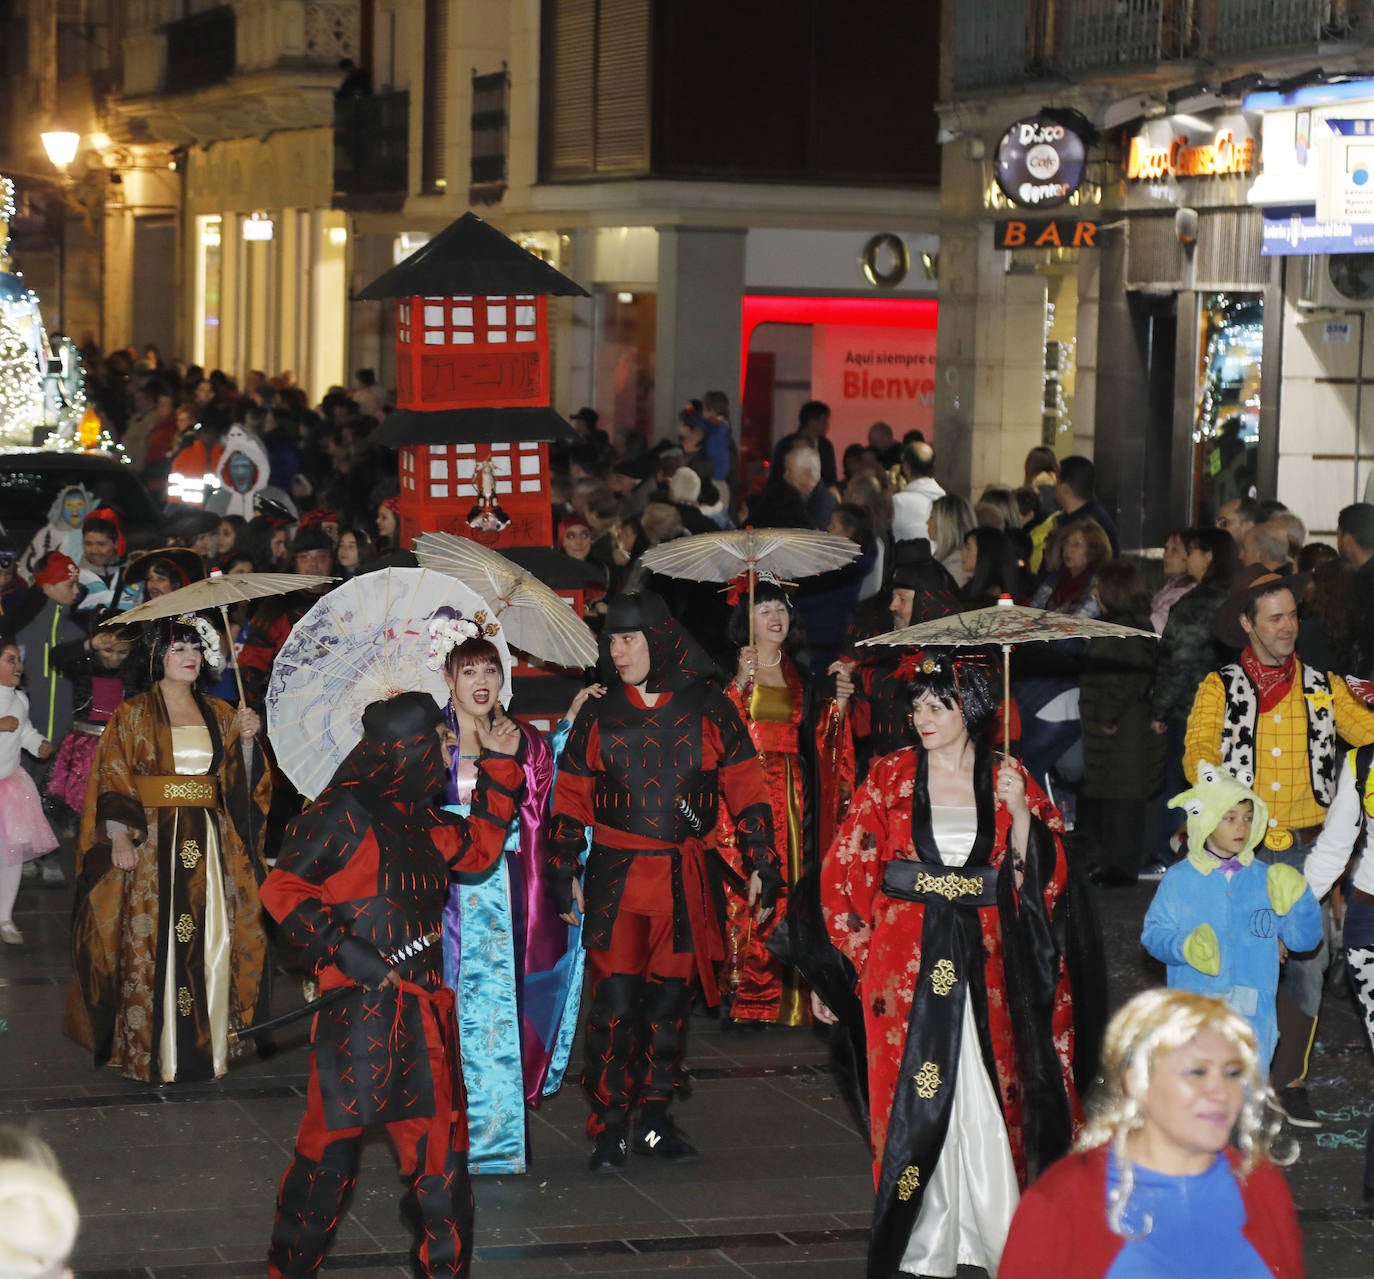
(1219, 917)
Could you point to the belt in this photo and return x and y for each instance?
(178, 791)
(1278, 839)
(928, 882)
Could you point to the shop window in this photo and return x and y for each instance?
(1226, 422)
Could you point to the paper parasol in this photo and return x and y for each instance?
(789, 553)
(218, 591)
(1005, 624)
(363, 642)
(534, 617)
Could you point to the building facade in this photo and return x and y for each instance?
(1178, 344)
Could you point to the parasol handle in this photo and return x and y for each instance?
(1006, 700)
(233, 656)
(751, 606)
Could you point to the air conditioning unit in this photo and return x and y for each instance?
(1337, 282)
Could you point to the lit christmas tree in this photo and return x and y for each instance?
(38, 387)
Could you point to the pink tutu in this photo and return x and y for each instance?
(71, 770)
(24, 831)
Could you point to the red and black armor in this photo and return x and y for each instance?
(364, 874)
(629, 770)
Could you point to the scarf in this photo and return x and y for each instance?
(1271, 682)
(1069, 588)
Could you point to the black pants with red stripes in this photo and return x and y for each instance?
(432, 1151)
(636, 1033)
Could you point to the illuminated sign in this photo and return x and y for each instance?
(1040, 162)
(1044, 233)
(1185, 147)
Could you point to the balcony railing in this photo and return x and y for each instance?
(371, 150)
(1000, 42)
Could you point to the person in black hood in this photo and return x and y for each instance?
(360, 885)
(646, 766)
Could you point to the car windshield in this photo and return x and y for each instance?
(27, 494)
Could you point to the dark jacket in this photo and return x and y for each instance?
(1122, 757)
(1187, 651)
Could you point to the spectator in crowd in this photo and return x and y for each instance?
(1355, 541)
(911, 505)
(802, 473)
(1177, 582)
(1237, 515)
(813, 421)
(951, 521)
(1076, 494)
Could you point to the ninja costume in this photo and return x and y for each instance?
(364, 874)
(648, 780)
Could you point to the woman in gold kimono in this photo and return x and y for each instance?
(168, 938)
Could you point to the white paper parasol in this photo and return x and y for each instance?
(218, 591)
(788, 553)
(1005, 624)
(365, 641)
(534, 617)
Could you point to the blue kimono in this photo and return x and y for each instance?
(1248, 930)
(516, 969)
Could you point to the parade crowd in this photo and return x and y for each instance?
(744, 808)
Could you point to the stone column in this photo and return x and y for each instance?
(700, 287)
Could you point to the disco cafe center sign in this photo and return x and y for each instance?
(1040, 162)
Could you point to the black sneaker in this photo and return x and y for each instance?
(609, 1151)
(1297, 1108)
(661, 1136)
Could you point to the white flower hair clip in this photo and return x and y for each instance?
(445, 634)
(209, 640)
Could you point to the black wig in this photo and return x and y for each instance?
(167, 631)
(966, 681)
(766, 590)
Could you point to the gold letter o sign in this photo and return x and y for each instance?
(885, 260)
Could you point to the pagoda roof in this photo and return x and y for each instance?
(473, 426)
(471, 258)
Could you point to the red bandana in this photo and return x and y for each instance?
(1272, 682)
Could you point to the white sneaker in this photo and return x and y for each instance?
(9, 934)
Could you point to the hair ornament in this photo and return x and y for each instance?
(738, 587)
(209, 639)
(448, 629)
(929, 666)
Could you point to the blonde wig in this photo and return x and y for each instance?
(1153, 1025)
(38, 1217)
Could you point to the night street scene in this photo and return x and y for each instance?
(644, 637)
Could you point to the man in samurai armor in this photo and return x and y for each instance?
(360, 885)
(646, 766)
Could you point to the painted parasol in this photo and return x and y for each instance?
(789, 553)
(534, 617)
(1004, 625)
(365, 641)
(218, 592)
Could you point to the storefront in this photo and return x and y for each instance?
(1316, 194)
(1186, 426)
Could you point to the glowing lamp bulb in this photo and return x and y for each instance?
(88, 433)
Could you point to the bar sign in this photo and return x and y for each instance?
(1044, 233)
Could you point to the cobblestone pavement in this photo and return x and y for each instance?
(178, 1183)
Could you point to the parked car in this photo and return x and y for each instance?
(30, 480)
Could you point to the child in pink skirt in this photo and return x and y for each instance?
(24, 831)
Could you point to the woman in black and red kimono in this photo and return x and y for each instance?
(361, 880)
(940, 888)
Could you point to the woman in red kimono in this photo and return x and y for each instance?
(939, 888)
(769, 694)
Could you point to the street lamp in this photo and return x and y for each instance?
(61, 147)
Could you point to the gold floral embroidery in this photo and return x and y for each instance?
(190, 854)
(909, 1181)
(927, 1080)
(197, 792)
(943, 977)
(183, 1001)
(949, 886)
(186, 929)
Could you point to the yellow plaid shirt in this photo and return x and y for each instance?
(1283, 773)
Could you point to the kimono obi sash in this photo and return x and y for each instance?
(177, 790)
(929, 882)
(769, 735)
